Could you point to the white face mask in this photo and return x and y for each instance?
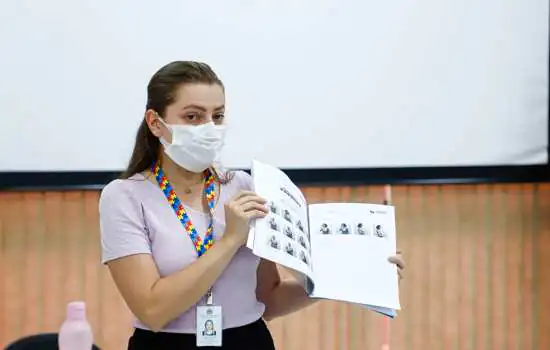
(194, 148)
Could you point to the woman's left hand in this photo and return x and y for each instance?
(397, 259)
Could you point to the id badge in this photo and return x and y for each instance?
(209, 325)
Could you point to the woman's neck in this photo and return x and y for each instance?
(177, 174)
(187, 184)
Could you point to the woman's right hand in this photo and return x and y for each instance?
(244, 207)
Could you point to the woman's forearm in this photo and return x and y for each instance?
(289, 296)
(173, 295)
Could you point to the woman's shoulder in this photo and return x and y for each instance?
(122, 188)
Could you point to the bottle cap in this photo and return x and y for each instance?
(76, 310)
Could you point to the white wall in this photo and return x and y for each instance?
(310, 83)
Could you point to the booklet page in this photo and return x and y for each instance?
(351, 244)
(283, 235)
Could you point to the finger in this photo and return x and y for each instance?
(254, 214)
(251, 197)
(248, 206)
(397, 261)
(400, 264)
(251, 204)
(243, 194)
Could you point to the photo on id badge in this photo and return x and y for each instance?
(209, 326)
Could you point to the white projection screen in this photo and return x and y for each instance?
(311, 84)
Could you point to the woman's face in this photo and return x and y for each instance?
(194, 104)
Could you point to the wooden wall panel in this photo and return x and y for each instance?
(476, 278)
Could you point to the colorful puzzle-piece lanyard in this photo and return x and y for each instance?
(201, 246)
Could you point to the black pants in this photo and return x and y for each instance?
(254, 336)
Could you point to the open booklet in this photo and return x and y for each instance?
(340, 250)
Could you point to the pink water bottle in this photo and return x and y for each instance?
(75, 332)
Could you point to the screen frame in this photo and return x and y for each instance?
(45, 181)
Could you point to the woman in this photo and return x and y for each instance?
(160, 221)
